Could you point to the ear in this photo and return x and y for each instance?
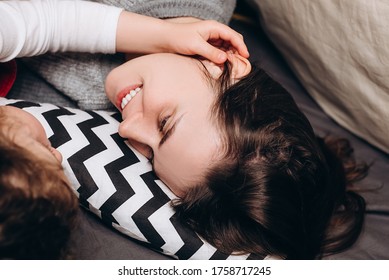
(240, 66)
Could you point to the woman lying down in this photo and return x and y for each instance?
(255, 178)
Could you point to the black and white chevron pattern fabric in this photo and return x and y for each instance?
(115, 182)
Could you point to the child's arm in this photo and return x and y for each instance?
(29, 28)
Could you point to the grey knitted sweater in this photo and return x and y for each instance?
(81, 76)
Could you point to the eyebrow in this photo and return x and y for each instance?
(170, 132)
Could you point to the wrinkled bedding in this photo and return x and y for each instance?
(339, 51)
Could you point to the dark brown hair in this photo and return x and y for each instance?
(279, 190)
(38, 209)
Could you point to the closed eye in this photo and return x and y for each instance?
(169, 132)
(163, 123)
(167, 135)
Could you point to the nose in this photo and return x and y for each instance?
(140, 135)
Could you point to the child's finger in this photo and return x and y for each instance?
(236, 42)
(212, 53)
(229, 35)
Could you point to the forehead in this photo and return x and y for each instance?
(178, 67)
(20, 123)
(10, 114)
(189, 154)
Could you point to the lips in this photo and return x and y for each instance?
(126, 94)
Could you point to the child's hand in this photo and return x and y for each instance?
(189, 36)
(206, 38)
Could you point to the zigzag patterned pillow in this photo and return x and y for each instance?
(115, 182)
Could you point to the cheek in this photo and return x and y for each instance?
(167, 172)
(175, 184)
(117, 73)
(118, 78)
(111, 81)
(108, 83)
(179, 169)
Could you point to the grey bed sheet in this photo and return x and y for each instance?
(94, 240)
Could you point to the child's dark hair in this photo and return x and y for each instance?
(279, 190)
(38, 209)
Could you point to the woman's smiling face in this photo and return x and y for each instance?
(166, 100)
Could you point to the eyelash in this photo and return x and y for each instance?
(163, 124)
(151, 156)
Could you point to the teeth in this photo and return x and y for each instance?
(124, 103)
(128, 97)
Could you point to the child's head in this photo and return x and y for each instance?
(37, 206)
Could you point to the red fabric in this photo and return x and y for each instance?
(7, 76)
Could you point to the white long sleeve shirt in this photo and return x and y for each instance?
(29, 28)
